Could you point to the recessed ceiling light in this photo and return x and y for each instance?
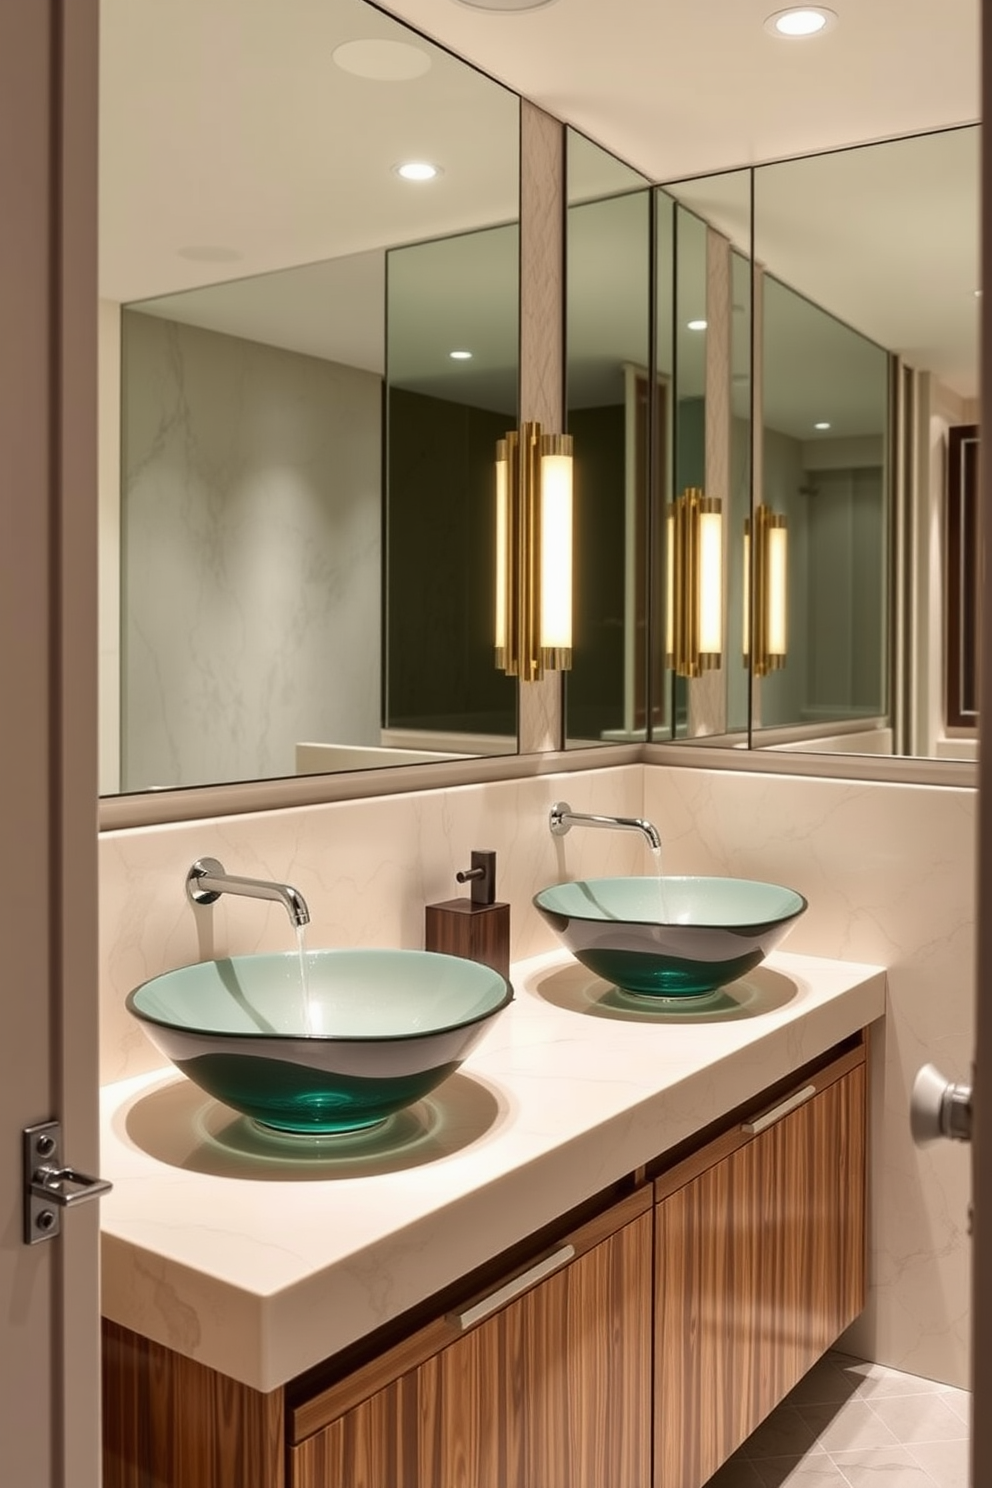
(821, 426)
(209, 253)
(417, 170)
(799, 21)
(696, 325)
(460, 356)
(382, 61)
(505, 5)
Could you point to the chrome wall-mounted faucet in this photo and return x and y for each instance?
(562, 819)
(206, 881)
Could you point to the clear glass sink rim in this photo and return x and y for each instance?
(795, 906)
(290, 959)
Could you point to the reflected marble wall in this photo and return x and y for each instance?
(889, 872)
(251, 555)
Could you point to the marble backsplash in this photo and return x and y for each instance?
(366, 869)
(888, 871)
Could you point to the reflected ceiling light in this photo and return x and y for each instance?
(381, 61)
(533, 609)
(209, 253)
(771, 592)
(694, 592)
(460, 356)
(822, 425)
(800, 21)
(417, 170)
(696, 325)
(505, 5)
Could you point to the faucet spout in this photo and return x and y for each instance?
(562, 819)
(207, 880)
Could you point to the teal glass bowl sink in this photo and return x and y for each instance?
(338, 1045)
(669, 937)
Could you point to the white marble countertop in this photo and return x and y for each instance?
(259, 1257)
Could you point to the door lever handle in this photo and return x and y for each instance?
(939, 1108)
(49, 1185)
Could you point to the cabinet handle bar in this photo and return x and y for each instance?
(762, 1123)
(472, 1315)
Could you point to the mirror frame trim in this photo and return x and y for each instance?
(155, 808)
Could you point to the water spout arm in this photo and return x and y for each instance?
(207, 880)
(562, 819)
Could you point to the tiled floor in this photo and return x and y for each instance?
(854, 1425)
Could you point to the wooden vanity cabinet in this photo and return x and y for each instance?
(636, 1351)
(552, 1389)
(760, 1265)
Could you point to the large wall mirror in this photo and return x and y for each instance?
(816, 352)
(316, 356)
(868, 262)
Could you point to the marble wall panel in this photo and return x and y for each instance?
(889, 872)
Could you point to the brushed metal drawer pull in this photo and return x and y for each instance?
(472, 1315)
(762, 1123)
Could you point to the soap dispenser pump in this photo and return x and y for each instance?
(477, 928)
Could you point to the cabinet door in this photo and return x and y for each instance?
(760, 1264)
(553, 1391)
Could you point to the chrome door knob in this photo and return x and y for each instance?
(939, 1108)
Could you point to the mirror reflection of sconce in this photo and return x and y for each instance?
(770, 592)
(694, 593)
(533, 618)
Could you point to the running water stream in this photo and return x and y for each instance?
(301, 946)
(662, 904)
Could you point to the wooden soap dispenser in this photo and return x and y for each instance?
(477, 927)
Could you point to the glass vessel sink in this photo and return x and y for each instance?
(335, 1044)
(669, 937)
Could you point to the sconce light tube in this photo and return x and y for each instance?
(555, 631)
(768, 614)
(533, 606)
(694, 601)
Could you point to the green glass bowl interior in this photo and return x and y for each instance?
(336, 1042)
(670, 937)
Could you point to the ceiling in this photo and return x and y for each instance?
(232, 147)
(680, 87)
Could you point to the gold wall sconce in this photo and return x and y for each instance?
(694, 594)
(770, 608)
(533, 618)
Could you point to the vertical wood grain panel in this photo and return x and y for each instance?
(760, 1265)
(542, 349)
(170, 1422)
(554, 1392)
(708, 693)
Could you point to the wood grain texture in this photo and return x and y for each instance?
(479, 932)
(552, 1391)
(760, 1265)
(542, 352)
(170, 1422)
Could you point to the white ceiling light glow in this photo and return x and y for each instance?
(696, 325)
(381, 61)
(417, 170)
(800, 21)
(460, 356)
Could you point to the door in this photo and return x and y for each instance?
(49, 1404)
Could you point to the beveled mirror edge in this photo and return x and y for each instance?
(156, 808)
